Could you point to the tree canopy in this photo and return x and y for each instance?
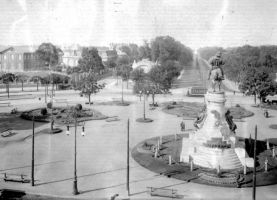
(49, 53)
(258, 82)
(91, 61)
(90, 85)
(164, 48)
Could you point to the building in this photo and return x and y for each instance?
(144, 64)
(12, 61)
(22, 58)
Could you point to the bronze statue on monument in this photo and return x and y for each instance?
(216, 73)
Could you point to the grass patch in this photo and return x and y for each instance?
(191, 110)
(273, 126)
(63, 115)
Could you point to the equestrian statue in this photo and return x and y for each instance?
(216, 74)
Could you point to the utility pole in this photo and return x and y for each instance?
(254, 172)
(33, 154)
(75, 188)
(128, 159)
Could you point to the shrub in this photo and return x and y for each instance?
(49, 105)
(237, 105)
(78, 107)
(43, 111)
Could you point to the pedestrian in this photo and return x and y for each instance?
(183, 126)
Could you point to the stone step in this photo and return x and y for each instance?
(208, 157)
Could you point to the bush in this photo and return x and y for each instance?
(43, 111)
(237, 105)
(49, 105)
(78, 107)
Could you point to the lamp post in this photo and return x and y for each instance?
(33, 154)
(75, 187)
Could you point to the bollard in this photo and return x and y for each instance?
(156, 152)
(244, 169)
(267, 145)
(161, 140)
(265, 165)
(218, 169)
(169, 160)
(273, 152)
(191, 165)
(158, 145)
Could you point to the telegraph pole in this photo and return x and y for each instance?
(254, 172)
(33, 154)
(128, 159)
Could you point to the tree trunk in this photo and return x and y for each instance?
(153, 98)
(89, 99)
(37, 85)
(8, 90)
(122, 92)
(22, 86)
(255, 99)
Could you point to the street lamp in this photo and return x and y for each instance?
(75, 188)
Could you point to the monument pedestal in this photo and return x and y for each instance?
(213, 145)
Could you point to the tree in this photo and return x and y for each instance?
(91, 61)
(144, 51)
(138, 75)
(49, 54)
(6, 79)
(90, 85)
(258, 82)
(36, 79)
(123, 70)
(21, 78)
(164, 48)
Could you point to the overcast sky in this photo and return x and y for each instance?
(196, 23)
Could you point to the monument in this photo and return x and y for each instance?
(214, 143)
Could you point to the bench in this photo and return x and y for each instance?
(16, 178)
(161, 192)
(7, 133)
(61, 101)
(5, 104)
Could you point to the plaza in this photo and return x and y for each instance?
(101, 154)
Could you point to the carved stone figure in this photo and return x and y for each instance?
(229, 119)
(216, 73)
(200, 119)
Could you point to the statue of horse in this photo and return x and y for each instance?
(216, 76)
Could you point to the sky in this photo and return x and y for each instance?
(196, 23)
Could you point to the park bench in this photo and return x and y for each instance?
(7, 133)
(61, 101)
(16, 178)
(161, 192)
(5, 104)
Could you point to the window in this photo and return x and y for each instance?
(5, 57)
(12, 56)
(19, 57)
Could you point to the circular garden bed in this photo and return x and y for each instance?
(62, 115)
(144, 154)
(191, 110)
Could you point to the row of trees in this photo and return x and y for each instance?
(253, 68)
(170, 57)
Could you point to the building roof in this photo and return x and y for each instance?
(20, 49)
